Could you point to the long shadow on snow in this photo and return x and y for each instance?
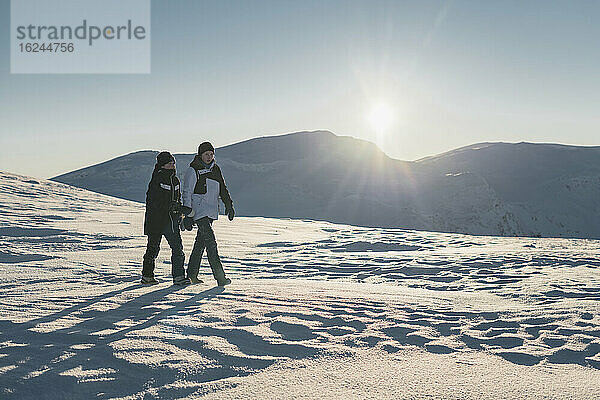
(39, 360)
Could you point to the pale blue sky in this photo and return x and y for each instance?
(454, 73)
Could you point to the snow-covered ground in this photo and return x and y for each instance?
(316, 310)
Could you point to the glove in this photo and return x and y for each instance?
(230, 212)
(187, 224)
(186, 210)
(175, 208)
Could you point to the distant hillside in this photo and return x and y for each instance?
(515, 189)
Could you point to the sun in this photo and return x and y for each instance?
(381, 117)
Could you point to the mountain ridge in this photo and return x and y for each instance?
(490, 188)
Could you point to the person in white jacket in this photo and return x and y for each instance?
(203, 184)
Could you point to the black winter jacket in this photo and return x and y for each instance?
(163, 201)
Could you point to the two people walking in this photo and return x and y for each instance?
(171, 206)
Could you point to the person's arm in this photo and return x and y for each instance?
(224, 194)
(176, 205)
(187, 188)
(152, 196)
(223, 191)
(178, 192)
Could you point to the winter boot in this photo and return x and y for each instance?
(224, 281)
(181, 281)
(149, 280)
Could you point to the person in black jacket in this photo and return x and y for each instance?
(163, 213)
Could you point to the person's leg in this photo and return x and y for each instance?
(212, 252)
(173, 237)
(152, 250)
(196, 257)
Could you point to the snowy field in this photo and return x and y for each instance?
(316, 310)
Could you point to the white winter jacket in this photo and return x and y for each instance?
(201, 189)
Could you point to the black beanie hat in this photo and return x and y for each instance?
(164, 157)
(206, 146)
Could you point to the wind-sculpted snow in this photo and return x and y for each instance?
(529, 268)
(316, 310)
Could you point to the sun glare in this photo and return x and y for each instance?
(381, 117)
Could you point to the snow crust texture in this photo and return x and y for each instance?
(316, 310)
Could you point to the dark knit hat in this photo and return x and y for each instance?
(164, 157)
(206, 146)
